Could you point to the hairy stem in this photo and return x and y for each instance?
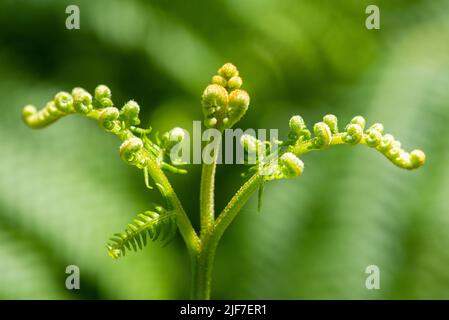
(307, 146)
(185, 227)
(202, 268)
(207, 186)
(233, 207)
(203, 264)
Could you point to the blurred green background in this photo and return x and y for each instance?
(64, 190)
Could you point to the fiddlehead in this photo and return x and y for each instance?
(286, 163)
(64, 102)
(130, 113)
(298, 129)
(108, 119)
(323, 135)
(326, 134)
(152, 155)
(102, 98)
(131, 151)
(224, 103)
(162, 147)
(82, 101)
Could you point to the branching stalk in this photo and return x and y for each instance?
(224, 104)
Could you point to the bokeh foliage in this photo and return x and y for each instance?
(64, 190)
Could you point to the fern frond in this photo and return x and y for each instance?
(149, 225)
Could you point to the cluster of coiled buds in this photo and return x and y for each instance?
(265, 159)
(79, 101)
(122, 122)
(114, 120)
(64, 103)
(326, 133)
(286, 163)
(135, 151)
(162, 147)
(224, 103)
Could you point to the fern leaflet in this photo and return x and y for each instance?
(150, 224)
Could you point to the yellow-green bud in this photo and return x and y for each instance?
(237, 105)
(129, 150)
(332, 122)
(290, 165)
(222, 108)
(64, 102)
(82, 101)
(298, 128)
(108, 119)
(172, 137)
(52, 110)
(102, 91)
(323, 135)
(103, 96)
(386, 143)
(373, 138)
(417, 158)
(297, 124)
(40, 119)
(219, 80)
(214, 99)
(235, 83)
(354, 133)
(130, 113)
(393, 153)
(28, 111)
(360, 121)
(176, 134)
(214, 96)
(378, 127)
(228, 70)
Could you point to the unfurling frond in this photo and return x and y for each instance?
(224, 103)
(286, 163)
(327, 134)
(149, 225)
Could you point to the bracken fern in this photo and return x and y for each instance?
(224, 103)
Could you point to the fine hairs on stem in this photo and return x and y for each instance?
(224, 103)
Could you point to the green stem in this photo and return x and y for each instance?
(234, 206)
(308, 146)
(185, 227)
(207, 186)
(202, 266)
